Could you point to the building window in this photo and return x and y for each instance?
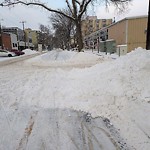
(104, 25)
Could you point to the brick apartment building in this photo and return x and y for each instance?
(91, 24)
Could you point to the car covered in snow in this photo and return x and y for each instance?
(17, 52)
(6, 53)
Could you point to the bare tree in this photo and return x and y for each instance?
(63, 27)
(76, 7)
(45, 36)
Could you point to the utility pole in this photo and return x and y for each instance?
(148, 30)
(23, 24)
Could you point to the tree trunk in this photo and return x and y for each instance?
(148, 30)
(79, 35)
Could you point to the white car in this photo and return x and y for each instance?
(6, 53)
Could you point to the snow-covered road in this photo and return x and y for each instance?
(32, 91)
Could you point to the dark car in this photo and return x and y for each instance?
(17, 52)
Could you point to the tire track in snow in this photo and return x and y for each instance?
(28, 130)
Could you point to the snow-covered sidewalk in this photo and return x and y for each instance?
(115, 89)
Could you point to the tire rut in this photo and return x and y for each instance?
(28, 130)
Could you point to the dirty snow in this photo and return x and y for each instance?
(116, 89)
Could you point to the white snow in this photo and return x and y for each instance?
(29, 51)
(64, 58)
(117, 89)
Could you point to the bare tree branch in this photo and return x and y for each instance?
(69, 6)
(77, 2)
(37, 4)
(84, 8)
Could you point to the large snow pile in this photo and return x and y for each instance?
(29, 51)
(57, 55)
(66, 58)
(118, 90)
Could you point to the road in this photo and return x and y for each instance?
(57, 129)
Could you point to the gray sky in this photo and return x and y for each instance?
(35, 15)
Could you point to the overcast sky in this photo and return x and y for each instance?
(35, 15)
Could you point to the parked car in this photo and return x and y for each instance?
(6, 53)
(17, 52)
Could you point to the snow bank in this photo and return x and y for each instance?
(57, 55)
(63, 58)
(29, 51)
(84, 57)
(118, 90)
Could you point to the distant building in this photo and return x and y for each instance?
(35, 38)
(129, 32)
(15, 30)
(32, 38)
(19, 33)
(6, 41)
(14, 41)
(92, 40)
(91, 24)
(9, 41)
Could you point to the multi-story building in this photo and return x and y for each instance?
(25, 39)
(6, 41)
(91, 24)
(9, 41)
(130, 32)
(91, 40)
(32, 37)
(19, 33)
(14, 30)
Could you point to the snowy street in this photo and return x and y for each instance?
(45, 102)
